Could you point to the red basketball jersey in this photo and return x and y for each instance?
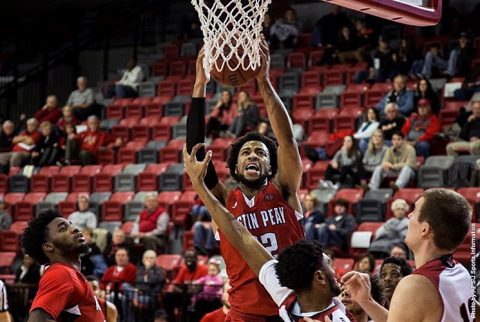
(66, 295)
(269, 217)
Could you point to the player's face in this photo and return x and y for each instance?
(390, 276)
(414, 233)
(253, 164)
(66, 238)
(352, 306)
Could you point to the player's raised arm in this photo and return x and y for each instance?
(289, 161)
(254, 254)
(196, 127)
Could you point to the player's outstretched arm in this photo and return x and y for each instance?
(40, 316)
(254, 254)
(289, 161)
(196, 127)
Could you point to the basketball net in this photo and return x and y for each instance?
(231, 32)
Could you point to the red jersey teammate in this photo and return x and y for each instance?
(440, 289)
(64, 294)
(301, 282)
(265, 202)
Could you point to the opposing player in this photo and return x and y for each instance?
(64, 294)
(301, 282)
(440, 289)
(266, 201)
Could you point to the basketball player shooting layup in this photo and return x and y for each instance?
(64, 294)
(301, 282)
(440, 289)
(265, 202)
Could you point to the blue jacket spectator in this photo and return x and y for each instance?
(400, 95)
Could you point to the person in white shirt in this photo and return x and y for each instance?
(83, 217)
(301, 282)
(367, 128)
(127, 86)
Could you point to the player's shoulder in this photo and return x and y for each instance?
(59, 272)
(416, 286)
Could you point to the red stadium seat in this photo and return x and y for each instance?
(122, 130)
(184, 86)
(375, 94)
(345, 264)
(148, 179)
(134, 110)
(12, 198)
(303, 101)
(162, 131)
(128, 153)
(473, 197)
(346, 119)
(166, 88)
(24, 209)
(311, 80)
(378, 265)
(219, 148)
(61, 182)
(113, 208)
(105, 156)
(463, 252)
(169, 263)
(315, 58)
(160, 68)
(296, 60)
(353, 95)
(166, 199)
(69, 205)
(321, 120)
(352, 71)
(303, 115)
(171, 153)
(3, 183)
(142, 131)
(182, 207)
(334, 76)
(40, 182)
(142, 101)
(177, 69)
(9, 241)
(103, 181)
(18, 227)
(353, 196)
(316, 173)
(187, 240)
(171, 51)
(155, 107)
(6, 261)
(83, 181)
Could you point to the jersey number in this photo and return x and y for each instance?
(269, 241)
(464, 312)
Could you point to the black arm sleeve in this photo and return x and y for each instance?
(196, 134)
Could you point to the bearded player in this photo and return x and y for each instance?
(266, 201)
(439, 289)
(64, 294)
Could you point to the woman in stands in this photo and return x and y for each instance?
(248, 116)
(366, 264)
(346, 162)
(425, 90)
(221, 116)
(367, 128)
(373, 157)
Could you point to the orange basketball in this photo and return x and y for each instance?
(233, 78)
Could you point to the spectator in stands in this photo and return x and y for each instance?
(314, 217)
(399, 250)
(151, 224)
(337, 229)
(127, 86)
(108, 308)
(356, 310)
(469, 135)
(49, 112)
(46, 152)
(68, 118)
(118, 241)
(266, 26)
(149, 283)
(346, 162)
(122, 272)
(263, 127)
(420, 129)
(391, 273)
(365, 36)
(328, 28)
(374, 155)
(348, 50)
(379, 65)
(393, 231)
(203, 237)
(182, 284)
(400, 160)
(391, 123)
(83, 217)
(5, 217)
(6, 136)
(221, 116)
(209, 288)
(28, 272)
(424, 90)
(366, 264)
(400, 94)
(367, 128)
(85, 145)
(93, 263)
(199, 212)
(81, 100)
(434, 65)
(284, 32)
(221, 313)
(23, 146)
(460, 59)
(247, 118)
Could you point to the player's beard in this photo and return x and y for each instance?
(333, 285)
(72, 248)
(253, 184)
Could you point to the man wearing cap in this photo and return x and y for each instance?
(470, 134)
(83, 217)
(420, 129)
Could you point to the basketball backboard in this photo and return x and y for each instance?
(410, 12)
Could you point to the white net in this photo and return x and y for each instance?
(231, 32)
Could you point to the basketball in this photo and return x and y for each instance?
(233, 78)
